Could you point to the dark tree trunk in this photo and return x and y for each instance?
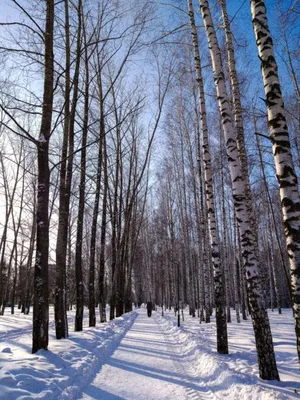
(41, 303)
(92, 313)
(103, 235)
(78, 252)
(61, 245)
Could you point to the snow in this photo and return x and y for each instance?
(42, 139)
(139, 358)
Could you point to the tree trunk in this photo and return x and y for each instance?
(41, 302)
(114, 217)
(95, 223)
(102, 302)
(285, 172)
(261, 325)
(80, 215)
(222, 340)
(62, 233)
(272, 228)
(238, 115)
(9, 202)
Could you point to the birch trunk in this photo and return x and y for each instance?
(222, 339)
(238, 114)
(274, 272)
(236, 291)
(237, 286)
(225, 233)
(272, 228)
(201, 236)
(261, 325)
(285, 172)
(201, 261)
(194, 275)
(205, 281)
(294, 77)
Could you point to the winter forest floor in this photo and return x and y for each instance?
(139, 358)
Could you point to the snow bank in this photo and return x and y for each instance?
(235, 376)
(60, 372)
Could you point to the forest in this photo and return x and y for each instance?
(150, 151)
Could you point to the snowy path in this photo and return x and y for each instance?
(146, 365)
(138, 358)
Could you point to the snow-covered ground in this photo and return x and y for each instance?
(139, 358)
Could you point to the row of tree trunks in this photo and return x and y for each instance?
(261, 325)
(222, 340)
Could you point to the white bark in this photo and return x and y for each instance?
(238, 116)
(263, 336)
(285, 172)
(222, 340)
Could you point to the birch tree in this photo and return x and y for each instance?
(238, 114)
(279, 135)
(260, 320)
(222, 341)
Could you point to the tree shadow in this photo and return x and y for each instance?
(97, 393)
(155, 373)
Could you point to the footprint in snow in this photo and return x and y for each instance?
(7, 350)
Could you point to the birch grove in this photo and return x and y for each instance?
(136, 164)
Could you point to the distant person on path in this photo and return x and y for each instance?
(149, 308)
